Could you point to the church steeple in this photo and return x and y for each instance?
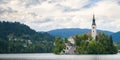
(93, 23)
(93, 30)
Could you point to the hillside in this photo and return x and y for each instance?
(116, 36)
(73, 31)
(19, 38)
(84, 44)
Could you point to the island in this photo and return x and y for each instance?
(91, 43)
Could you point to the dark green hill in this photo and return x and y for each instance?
(116, 37)
(19, 38)
(67, 32)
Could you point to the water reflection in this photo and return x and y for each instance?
(50, 56)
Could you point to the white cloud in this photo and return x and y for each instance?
(44, 15)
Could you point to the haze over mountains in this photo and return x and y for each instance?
(10, 28)
(67, 32)
(45, 15)
(116, 36)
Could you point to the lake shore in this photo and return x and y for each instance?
(51, 56)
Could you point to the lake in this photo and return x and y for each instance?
(51, 56)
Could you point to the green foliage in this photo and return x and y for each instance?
(65, 40)
(3, 45)
(19, 38)
(95, 47)
(102, 45)
(86, 45)
(59, 45)
(117, 44)
(107, 43)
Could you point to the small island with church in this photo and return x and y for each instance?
(91, 43)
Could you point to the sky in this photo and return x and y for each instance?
(45, 15)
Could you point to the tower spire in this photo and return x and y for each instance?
(93, 23)
(94, 31)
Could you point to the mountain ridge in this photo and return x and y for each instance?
(67, 32)
(73, 31)
(116, 36)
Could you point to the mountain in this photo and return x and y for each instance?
(116, 36)
(20, 38)
(67, 32)
(73, 31)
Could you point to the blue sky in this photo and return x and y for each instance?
(45, 15)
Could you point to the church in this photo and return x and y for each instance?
(71, 48)
(93, 30)
(86, 44)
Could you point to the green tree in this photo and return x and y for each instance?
(102, 45)
(95, 47)
(59, 45)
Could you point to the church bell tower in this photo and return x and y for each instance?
(94, 32)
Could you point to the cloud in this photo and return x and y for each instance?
(44, 15)
(7, 10)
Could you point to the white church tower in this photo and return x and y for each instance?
(94, 32)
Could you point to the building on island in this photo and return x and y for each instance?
(93, 30)
(70, 49)
(71, 40)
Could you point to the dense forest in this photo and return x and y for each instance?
(19, 38)
(84, 43)
(102, 45)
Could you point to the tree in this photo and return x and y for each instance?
(59, 45)
(95, 47)
(102, 45)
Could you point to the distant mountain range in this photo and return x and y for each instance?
(67, 32)
(116, 36)
(73, 31)
(20, 38)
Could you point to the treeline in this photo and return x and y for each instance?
(59, 45)
(102, 45)
(117, 45)
(19, 38)
(86, 45)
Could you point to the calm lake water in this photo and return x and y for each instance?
(50, 56)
